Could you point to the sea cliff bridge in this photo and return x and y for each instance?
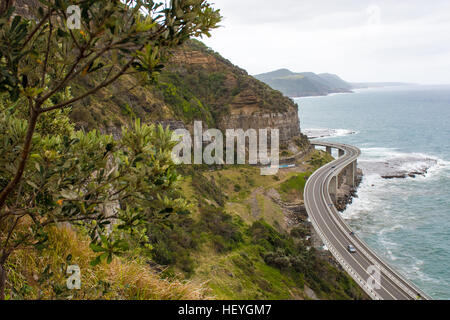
(373, 274)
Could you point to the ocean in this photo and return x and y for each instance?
(402, 131)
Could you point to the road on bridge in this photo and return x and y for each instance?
(374, 275)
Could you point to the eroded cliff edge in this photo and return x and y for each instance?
(197, 84)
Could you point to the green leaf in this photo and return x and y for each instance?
(95, 262)
(96, 248)
(104, 256)
(184, 212)
(122, 244)
(15, 22)
(61, 33)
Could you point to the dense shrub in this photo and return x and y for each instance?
(266, 236)
(171, 245)
(226, 233)
(300, 232)
(280, 250)
(208, 189)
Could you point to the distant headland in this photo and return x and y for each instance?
(306, 84)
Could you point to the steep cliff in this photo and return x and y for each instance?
(286, 122)
(196, 84)
(229, 97)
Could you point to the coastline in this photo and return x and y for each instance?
(325, 94)
(355, 90)
(320, 192)
(403, 198)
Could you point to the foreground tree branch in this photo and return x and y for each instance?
(40, 59)
(23, 158)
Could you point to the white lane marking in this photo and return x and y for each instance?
(395, 282)
(342, 261)
(353, 271)
(390, 273)
(334, 235)
(362, 255)
(367, 257)
(403, 290)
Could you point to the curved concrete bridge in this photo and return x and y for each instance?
(374, 275)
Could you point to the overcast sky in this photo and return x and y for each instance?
(360, 40)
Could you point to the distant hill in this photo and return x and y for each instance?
(304, 84)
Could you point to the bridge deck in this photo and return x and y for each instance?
(363, 265)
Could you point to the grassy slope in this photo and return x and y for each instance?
(245, 271)
(126, 278)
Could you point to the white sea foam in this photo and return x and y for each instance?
(315, 133)
(406, 221)
(367, 200)
(383, 224)
(442, 169)
(376, 214)
(374, 189)
(375, 192)
(391, 162)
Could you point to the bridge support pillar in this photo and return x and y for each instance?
(341, 153)
(340, 179)
(351, 174)
(329, 150)
(334, 188)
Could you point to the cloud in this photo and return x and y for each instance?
(374, 13)
(360, 40)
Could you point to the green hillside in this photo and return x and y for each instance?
(98, 187)
(196, 83)
(304, 84)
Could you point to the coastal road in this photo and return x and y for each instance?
(375, 276)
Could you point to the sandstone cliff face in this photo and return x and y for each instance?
(235, 99)
(195, 58)
(286, 122)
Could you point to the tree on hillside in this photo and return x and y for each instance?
(51, 174)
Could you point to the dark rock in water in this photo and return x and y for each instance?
(398, 176)
(413, 175)
(399, 167)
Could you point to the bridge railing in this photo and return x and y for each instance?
(362, 246)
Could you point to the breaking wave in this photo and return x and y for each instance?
(390, 163)
(317, 133)
(380, 211)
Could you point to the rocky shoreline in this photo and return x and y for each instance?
(404, 175)
(400, 167)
